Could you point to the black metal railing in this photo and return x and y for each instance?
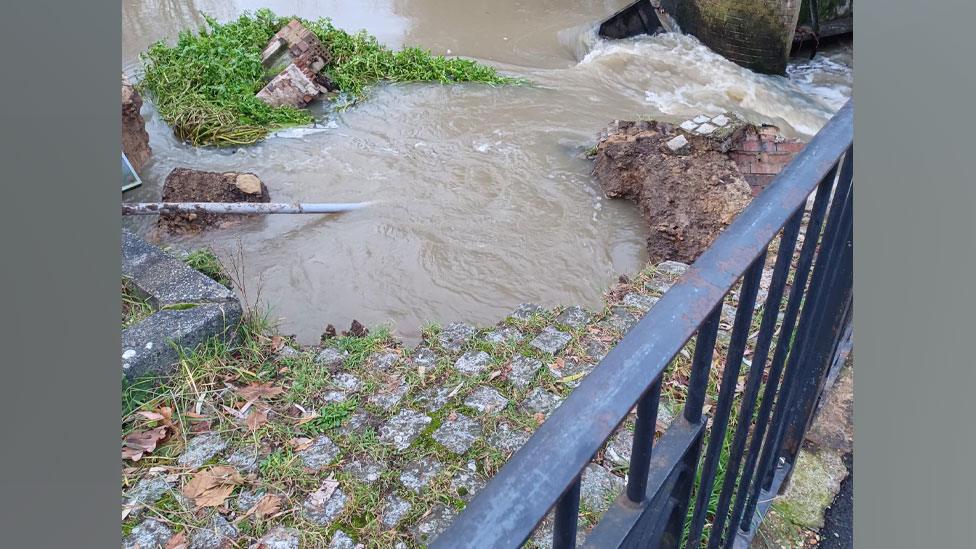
(671, 485)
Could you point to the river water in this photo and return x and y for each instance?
(483, 199)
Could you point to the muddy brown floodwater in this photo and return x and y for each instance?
(483, 197)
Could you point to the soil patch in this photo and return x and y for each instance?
(186, 185)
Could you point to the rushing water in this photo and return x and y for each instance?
(483, 197)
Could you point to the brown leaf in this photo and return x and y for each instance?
(266, 506)
(258, 390)
(256, 419)
(151, 416)
(177, 541)
(300, 443)
(277, 342)
(307, 417)
(211, 487)
(560, 363)
(200, 426)
(142, 442)
(322, 495)
(540, 418)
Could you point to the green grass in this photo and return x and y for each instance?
(134, 307)
(206, 261)
(204, 86)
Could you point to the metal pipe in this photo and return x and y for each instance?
(239, 208)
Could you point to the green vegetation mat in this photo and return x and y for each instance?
(204, 86)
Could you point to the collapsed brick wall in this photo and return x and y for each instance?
(761, 153)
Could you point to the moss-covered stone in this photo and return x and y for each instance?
(816, 480)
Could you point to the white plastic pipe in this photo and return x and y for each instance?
(242, 208)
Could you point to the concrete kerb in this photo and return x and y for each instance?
(190, 308)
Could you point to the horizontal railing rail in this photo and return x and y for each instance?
(544, 475)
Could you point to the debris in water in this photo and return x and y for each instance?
(188, 185)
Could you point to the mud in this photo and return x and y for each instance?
(135, 139)
(186, 185)
(686, 197)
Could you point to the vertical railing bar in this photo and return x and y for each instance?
(701, 364)
(748, 497)
(784, 258)
(566, 517)
(810, 307)
(733, 363)
(640, 455)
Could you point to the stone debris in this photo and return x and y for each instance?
(403, 428)
(394, 509)
(296, 56)
(324, 512)
(507, 438)
(486, 400)
(679, 144)
(522, 371)
(320, 454)
(541, 401)
(467, 482)
(346, 382)
(596, 350)
(575, 317)
(356, 423)
(148, 533)
(189, 185)
(526, 311)
(705, 129)
(619, 448)
(435, 522)
(385, 361)
(135, 139)
(473, 362)
(279, 538)
(551, 340)
(505, 334)
(201, 449)
(366, 470)
(341, 540)
(425, 358)
(416, 476)
(457, 433)
(674, 268)
(455, 336)
(216, 535)
(620, 319)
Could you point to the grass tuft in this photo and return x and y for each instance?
(204, 86)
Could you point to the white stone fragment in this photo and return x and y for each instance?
(721, 120)
(689, 125)
(705, 129)
(677, 143)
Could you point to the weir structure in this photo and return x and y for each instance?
(804, 334)
(757, 35)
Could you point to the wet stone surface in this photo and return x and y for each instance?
(320, 454)
(643, 303)
(425, 358)
(523, 370)
(279, 538)
(324, 512)
(148, 533)
(330, 358)
(467, 482)
(218, 534)
(486, 400)
(433, 399)
(473, 362)
(366, 470)
(457, 433)
(575, 317)
(403, 428)
(551, 340)
(383, 361)
(386, 398)
(146, 492)
(620, 319)
(541, 401)
(525, 311)
(507, 438)
(416, 476)
(201, 449)
(598, 487)
(341, 540)
(394, 509)
(505, 334)
(455, 336)
(434, 523)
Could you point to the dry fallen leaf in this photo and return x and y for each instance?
(211, 487)
(256, 419)
(307, 417)
(300, 443)
(258, 390)
(177, 541)
(559, 364)
(277, 342)
(540, 418)
(321, 496)
(142, 442)
(151, 416)
(266, 506)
